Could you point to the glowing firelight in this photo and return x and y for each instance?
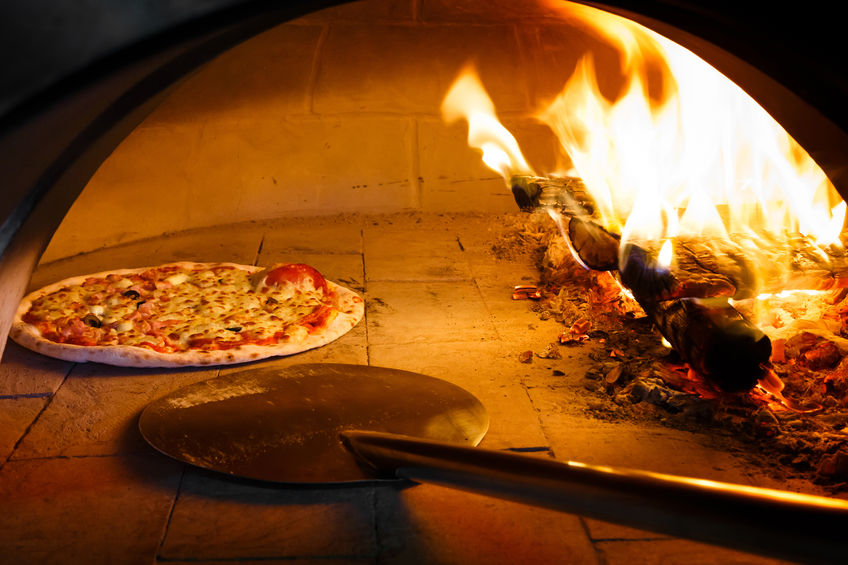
(468, 99)
(701, 158)
(666, 253)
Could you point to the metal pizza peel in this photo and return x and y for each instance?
(284, 424)
(334, 423)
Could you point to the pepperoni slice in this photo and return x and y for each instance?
(298, 274)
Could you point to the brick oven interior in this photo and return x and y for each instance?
(321, 141)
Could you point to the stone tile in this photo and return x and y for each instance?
(426, 312)
(217, 519)
(380, 67)
(454, 177)
(16, 414)
(404, 250)
(87, 510)
(235, 243)
(429, 524)
(96, 410)
(478, 230)
(485, 194)
(674, 551)
(474, 11)
(576, 437)
(219, 172)
(363, 11)
(267, 75)
(482, 370)
(516, 321)
(625, 444)
(341, 234)
(26, 372)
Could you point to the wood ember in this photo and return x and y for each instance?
(707, 333)
(645, 381)
(577, 332)
(813, 444)
(551, 351)
(715, 339)
(526, 292)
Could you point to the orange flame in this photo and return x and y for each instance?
(705, 160)
(700, 158)
(468, 99)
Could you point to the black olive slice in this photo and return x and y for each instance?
(131, 294)
(91, 320)
(271, 300)
(234, 329)
(139, 303)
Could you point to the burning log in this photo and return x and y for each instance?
(596, 247)
(568, 194)
(722, 267)
(716, 340)
(709, 269)
(688, 300)
(692, 313)
(645, 278)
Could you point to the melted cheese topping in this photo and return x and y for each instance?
(179, 308)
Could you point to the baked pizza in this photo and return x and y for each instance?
(186, 313)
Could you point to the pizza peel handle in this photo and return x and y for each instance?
(284, 424)
(809, 529)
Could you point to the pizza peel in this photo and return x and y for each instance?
(284, 425)
(334, 423)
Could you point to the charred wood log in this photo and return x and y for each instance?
(717, 341)
(703, 268)
(723, 267)
(567, 194)
(596, 247)
(644, 277)
(688, 301)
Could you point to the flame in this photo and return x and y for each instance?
(666, 254)
(704, 159)
(468, 99)
(694, 156)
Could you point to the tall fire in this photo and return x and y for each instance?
(682, 205)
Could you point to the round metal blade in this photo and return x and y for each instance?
(283, 425)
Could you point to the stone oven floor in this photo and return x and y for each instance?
(78, 484)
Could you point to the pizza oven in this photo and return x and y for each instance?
(256, 133)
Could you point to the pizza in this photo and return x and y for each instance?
(183, 314)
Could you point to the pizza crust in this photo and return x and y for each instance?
(348, 307)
